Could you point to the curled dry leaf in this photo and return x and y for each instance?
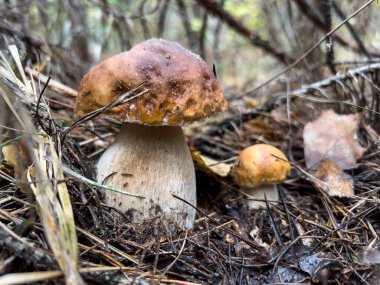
(10, 153)
(14, 154)
(332, 179)
(332, 136)
(219, 168)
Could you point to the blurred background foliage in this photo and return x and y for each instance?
(247, 40)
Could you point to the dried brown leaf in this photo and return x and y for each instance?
(332, 136)
(217, 167)
(332, 180)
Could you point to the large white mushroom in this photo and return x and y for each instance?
(150, 156)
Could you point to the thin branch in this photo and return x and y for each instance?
(308, 12)
(143, 21)
(216, 9)
(53, 84)
(202, 36)
(130, 95)
(325, 8)
(359, 42)
(191, 36)
(162, 18)
(79, 44)
(217, 33)
(339, 77)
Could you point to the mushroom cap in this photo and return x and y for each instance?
(183, 89)
(260, 164)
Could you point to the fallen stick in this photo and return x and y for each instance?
(53, 84)
(352, 73)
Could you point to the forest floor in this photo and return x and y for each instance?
(307, 237)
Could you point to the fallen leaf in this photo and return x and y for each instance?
(332, 179)
(15, 155)
(262, 126)
(332, 136)
(367, 256)
(10, 153)
(287, 275)
(219, 168)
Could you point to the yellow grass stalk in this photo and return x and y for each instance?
(45, 176)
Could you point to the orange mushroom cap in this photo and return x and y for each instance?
(183, 89)
(260, 164)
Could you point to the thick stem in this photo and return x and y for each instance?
(270, 190)
(154, 162)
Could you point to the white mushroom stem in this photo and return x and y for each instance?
(153, 162)
(259, 193)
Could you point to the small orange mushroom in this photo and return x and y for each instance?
(257, 170)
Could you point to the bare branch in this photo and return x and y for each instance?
(202, 36)
(216, 9)
(359, 42)
(308, 12)
(143, 21)
(162, 18)
(79, 42)
(325, 8)
(337, 78)
(191, 36)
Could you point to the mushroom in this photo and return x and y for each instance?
(150, 156)
(257, 170)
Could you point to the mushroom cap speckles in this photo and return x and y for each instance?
(260, 164)
(183, 89)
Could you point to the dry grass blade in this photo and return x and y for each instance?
(19, 278)
(83, 179)
(130, 95)
(114, 249)
(9, 103)
(55, 212)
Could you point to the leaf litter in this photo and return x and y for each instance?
(307, 237)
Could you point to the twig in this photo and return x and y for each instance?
(143, 20)
(114, 249)
(130, 95)
(217, 9)
(186, 22)
(53, 84)
(25, 250)
(162, 17)
(38, 107)
(176, 258)
(308, 12)
(272, 222)
(339, 77)
(351, 29)
(326, 11)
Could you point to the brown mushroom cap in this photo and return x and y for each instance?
(258, 165)
(183, 88)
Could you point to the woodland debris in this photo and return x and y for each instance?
(332, 179)
(333, 137)
(220, 168)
